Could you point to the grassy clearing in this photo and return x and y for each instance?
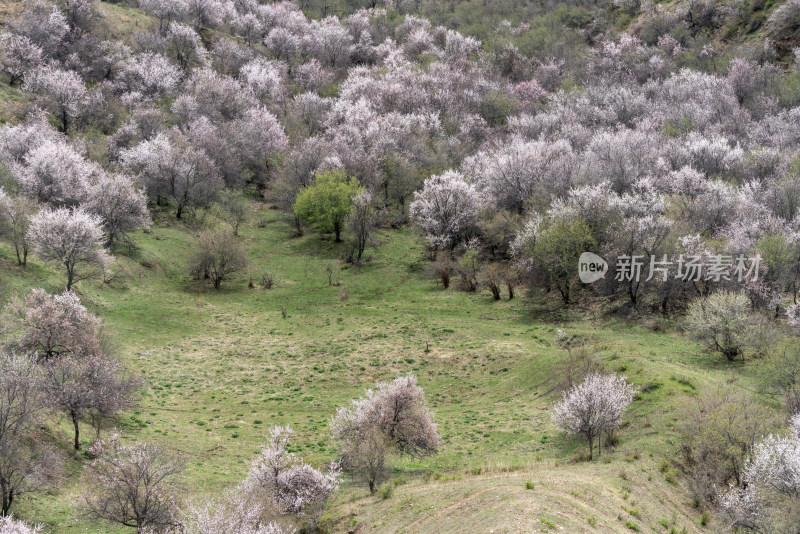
(223, 366)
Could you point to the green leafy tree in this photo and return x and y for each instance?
(557, 249)
(327, 202)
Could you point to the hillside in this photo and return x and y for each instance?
(221, 367)
(480, 144)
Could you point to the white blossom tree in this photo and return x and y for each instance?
(121, 206)
(61, 90)
(769, 498)
(164, 10)
(9, 525)
(43, 24)
(446, 209)
(394, 415)
(329, 41)
(237, 512)
(19, 56)
(511, 175)
(149, 75)
(69, 237)
(722, 322)
(293, 486)
(259, 136)
(54, 173)
(594, 406)
(173, 169)
(185, 43)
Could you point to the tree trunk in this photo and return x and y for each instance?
(591, 445)
(77, 430)
(372, 486)
(6, 505)
(70, 276)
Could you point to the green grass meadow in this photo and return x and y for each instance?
(220, 367)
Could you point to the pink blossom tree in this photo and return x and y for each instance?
(51, 326)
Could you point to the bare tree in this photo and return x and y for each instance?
(15, 215)
(442, 268)
(722, 430)
(579, 363)
(219, 257)
(360, 223)
(25, 465)
(491, 276)
(234, 209)
(132, 485)
(91, 388)
(780, 374)
(69, 237)
(594, 406)
(365, 455)
(20, 401)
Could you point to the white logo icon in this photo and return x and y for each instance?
(591, 267)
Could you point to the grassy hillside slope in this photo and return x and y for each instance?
(222, 366)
